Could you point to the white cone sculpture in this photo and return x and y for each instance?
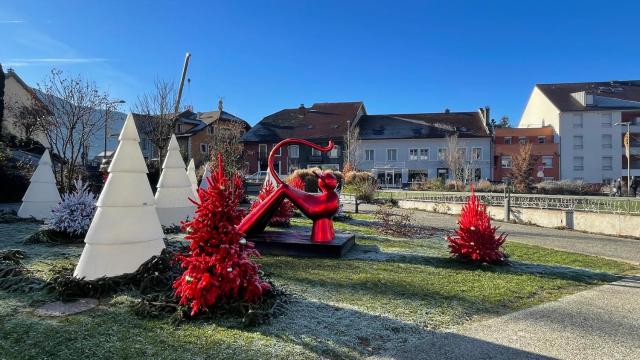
(203, 183)
(125, 232)
(42, 194)
(174, 189)
(191, 173)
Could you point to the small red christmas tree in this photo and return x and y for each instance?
(282, 216)
(476, 239)
(218, 266)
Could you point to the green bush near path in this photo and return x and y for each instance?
(386, 291)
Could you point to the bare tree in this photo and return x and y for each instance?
(352, 148)
(521, 169)
(28, 116)
(74, 119)
(226, 142)
(158, 119)
(454, 159)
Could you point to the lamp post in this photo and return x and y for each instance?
(627, 144)
(107, 108)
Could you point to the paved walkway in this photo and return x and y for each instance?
(599, 245)
(601, 323)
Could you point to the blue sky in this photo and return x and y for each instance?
(262, 56)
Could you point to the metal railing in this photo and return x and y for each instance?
(599, 204)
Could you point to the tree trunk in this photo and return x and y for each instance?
(356, 199)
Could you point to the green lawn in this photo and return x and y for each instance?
(387, 291)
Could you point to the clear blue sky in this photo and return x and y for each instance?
(262, 56)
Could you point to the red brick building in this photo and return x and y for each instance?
(544, 150)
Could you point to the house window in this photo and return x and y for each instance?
(413, 154)
(204, 148)
(392, 154)
(607, 163)
(315, 152)
(476, 153)
(506, 162)
(577, 142)
(507, 140)
(279, 153)
(368, 155)
(294, 151)
(462, 153)
(578, 163)
(442, 154)
(210, 130)
(606, 141)
(335, 152)
(424, 154)
(522, 140)
(541, 140)
(276, 167)
(547, 162)
(577, 121)
(262, 150)
(606, 120)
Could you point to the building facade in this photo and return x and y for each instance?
(402, 148)
(544, 151)
(584, 118)
(319, 123)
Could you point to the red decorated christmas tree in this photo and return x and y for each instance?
(218, 267)
(476, 239)
(282, 216)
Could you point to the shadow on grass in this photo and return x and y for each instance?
(334, 332)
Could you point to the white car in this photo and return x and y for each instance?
(257, 177)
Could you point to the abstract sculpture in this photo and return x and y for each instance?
(125, 232)
(174, 189)
(42, 195)
(320, 208)
(191, 173)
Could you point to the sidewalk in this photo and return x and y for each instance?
(601, 323)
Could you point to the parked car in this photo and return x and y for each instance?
(256, 177)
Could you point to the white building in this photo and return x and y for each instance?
(583, 116)
(402, 148)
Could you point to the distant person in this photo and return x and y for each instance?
(634, 186)
(618, 186)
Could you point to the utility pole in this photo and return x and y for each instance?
(627, 150)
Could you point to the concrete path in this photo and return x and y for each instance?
(599, 245)
(601, 323)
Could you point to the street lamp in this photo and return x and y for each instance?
(107, 107)
(627, 139)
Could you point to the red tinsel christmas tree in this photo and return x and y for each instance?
(282, 216)
(476, 239)
(218, 266)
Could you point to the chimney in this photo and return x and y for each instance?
(485, 111)
(219, 104)
(302, 110)
(446, 110)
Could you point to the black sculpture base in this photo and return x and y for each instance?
(291, 243)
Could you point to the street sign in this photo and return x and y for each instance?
(626, 144)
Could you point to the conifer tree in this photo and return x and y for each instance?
(218, 267)
(475, 239)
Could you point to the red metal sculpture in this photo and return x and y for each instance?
(320, 208)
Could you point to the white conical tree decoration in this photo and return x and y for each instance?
(191, 173)
(125, 232)
(203, 183)
(174, 189)
(42, 194)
